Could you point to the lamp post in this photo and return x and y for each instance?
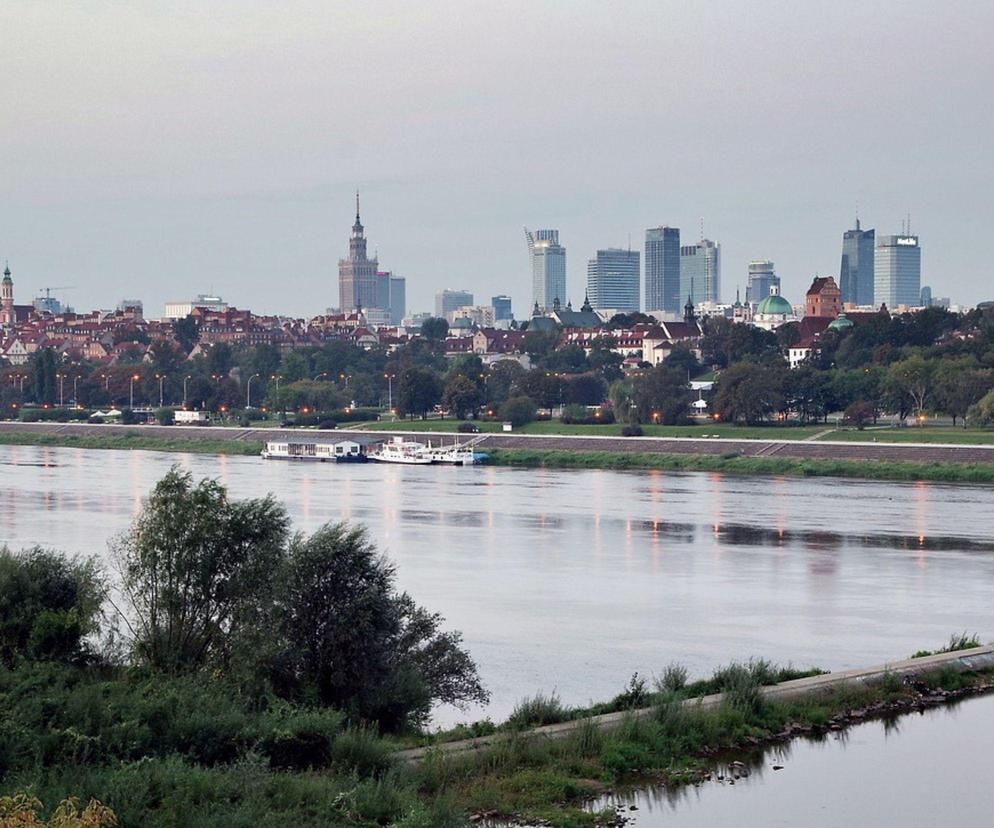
(131, 391)
(345, 377)
(186, 379)
(322, 374)
(160, 378)
(389, 378)
(248, 391)
(106, 380)
(62, 381)
(75, 398)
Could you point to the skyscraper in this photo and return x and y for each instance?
(398, 299)
(548, 261)
(662, 269)
(897, 271)
(613, 280)
(761, 278)
(502, 308)
(447, 301)
(700, 272)
(357, 275)
(856, 275)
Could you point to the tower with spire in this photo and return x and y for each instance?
(6, 299)
(357, 275)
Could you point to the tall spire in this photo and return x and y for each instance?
(357, 207)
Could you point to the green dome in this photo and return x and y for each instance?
(775, 306)
(840, 324)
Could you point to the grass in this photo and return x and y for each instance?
(189, 751)
(132, 441)
(957, 642)
(735, 464)
(928, 434)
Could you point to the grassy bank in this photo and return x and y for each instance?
(131, 441)
(735, 464)
(171, 751)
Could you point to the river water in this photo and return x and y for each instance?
(570, 581)
(930, 769)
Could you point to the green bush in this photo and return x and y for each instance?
(165, 416)
(582, 415)
(518, 411)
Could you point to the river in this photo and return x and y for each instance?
(920, 769)
(570, 581)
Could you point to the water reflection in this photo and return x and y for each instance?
(917, 769)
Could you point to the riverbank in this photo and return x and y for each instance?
(733, 463)
(949, 463)
(190, 750)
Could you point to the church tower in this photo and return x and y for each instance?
(6, 299)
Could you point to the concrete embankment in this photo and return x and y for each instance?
(977, 658)
(788, 449)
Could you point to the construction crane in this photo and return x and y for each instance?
(48, 290)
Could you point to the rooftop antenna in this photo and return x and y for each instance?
(857, 214)
(702, 228)
(909, 224)
(904, 231)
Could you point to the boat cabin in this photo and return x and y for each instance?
(344, 449)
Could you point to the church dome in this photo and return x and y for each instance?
(840, 324)
(775, 305)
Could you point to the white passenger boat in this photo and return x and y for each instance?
(403, 451)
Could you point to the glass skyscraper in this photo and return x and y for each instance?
(548, 261)
(700, 272)
(613, 280)
(761, 278)
(897, 271)
(662, 269)
(856, 275)
(502, 308)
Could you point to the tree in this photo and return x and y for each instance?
(982, 411)
(539, 344)
(909, 384)
(503, 381)
(859, 413)
(544, 388)
(585, 389)
(959, 388)
(418, 392)
(350, 641)
(518, 411)
(661, 395)
(220, 360)
(43, 366)
(435, 329)
(461, 396)
(685, 360)
(48, 606)
(186, 332)
(195, 569)
(746, 393)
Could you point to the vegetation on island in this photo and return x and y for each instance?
(234, 673)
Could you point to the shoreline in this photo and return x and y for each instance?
(964, 464)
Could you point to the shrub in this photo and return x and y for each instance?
(327, 424)
(632, 431)
(128, 417)
(468, 428)
(634, 695)
(673, 680)
(302, 739)
(537, 710)
(49, 604)
(165, 416)
(582, 415)
(518, 411)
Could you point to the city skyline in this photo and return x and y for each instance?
(212, 184)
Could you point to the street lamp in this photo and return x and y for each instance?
(389, 378)
(131, 390)
(322, 374)
(106, 380)
(160, 378)
(62, 381)
(186, 379)
(75, 398)
(248, 391)
(345, 377)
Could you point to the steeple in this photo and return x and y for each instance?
(586, 306)
(688, 311)
(357, 227)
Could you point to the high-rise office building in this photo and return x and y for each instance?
(398, 299)
(613, 280)
(357, 275)
(548, 262)
(700, 272)
(856, 274)
(502, 308)
(761, 278)
(897, 271)
(447, 301)
(662, 269)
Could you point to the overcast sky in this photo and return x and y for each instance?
(159, 150)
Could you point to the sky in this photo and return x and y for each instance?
(160, 150)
